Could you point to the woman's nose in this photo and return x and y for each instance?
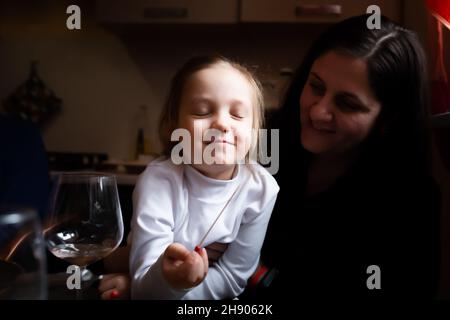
(322, 110)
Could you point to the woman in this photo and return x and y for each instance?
(362, 218)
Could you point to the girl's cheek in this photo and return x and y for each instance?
(244, 137)
(199, 128)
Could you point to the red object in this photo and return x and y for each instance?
(258, 275)
(440, 97)
(198, 249)
(441, 10)
(114, 294)
(440, 87)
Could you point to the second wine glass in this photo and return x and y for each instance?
(86, 221)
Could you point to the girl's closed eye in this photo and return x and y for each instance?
(201, 109)
(238, 112)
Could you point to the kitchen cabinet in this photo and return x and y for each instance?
(235, 11)
(168, 11)
(313, 11)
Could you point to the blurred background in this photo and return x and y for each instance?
(117, 68)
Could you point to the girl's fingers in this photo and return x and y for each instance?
(174, 256)
(204, 255)
(205, 261)
(173, 263)
(176, 251)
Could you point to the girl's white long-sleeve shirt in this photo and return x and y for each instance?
(176, 203)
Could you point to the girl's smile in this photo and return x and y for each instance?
(221, 140)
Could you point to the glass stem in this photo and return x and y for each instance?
(79, 292)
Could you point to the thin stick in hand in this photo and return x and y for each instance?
(199, 246)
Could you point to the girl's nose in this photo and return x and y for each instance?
(221, 122)
(321, 110)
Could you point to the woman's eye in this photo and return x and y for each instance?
(317, 88)
(348, 106)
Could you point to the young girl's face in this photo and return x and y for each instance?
(337, 106)
(221, 98)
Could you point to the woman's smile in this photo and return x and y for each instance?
(322, 128)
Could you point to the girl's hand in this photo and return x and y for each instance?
(115, 286)
(182, 268)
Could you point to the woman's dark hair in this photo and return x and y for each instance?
(398, 77)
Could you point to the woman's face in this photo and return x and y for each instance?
(337, 106)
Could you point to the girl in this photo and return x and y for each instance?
(177, 207)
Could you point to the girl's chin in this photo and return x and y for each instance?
(217, 161)
(220, 157)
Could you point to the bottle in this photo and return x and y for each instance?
(143, 139)
(140, 144)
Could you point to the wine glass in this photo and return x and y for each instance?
(23, 271)
(86, 220)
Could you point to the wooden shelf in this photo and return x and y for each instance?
(121, 178)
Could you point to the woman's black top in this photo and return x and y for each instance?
(322, 245)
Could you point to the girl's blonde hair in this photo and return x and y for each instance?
(169, 116)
